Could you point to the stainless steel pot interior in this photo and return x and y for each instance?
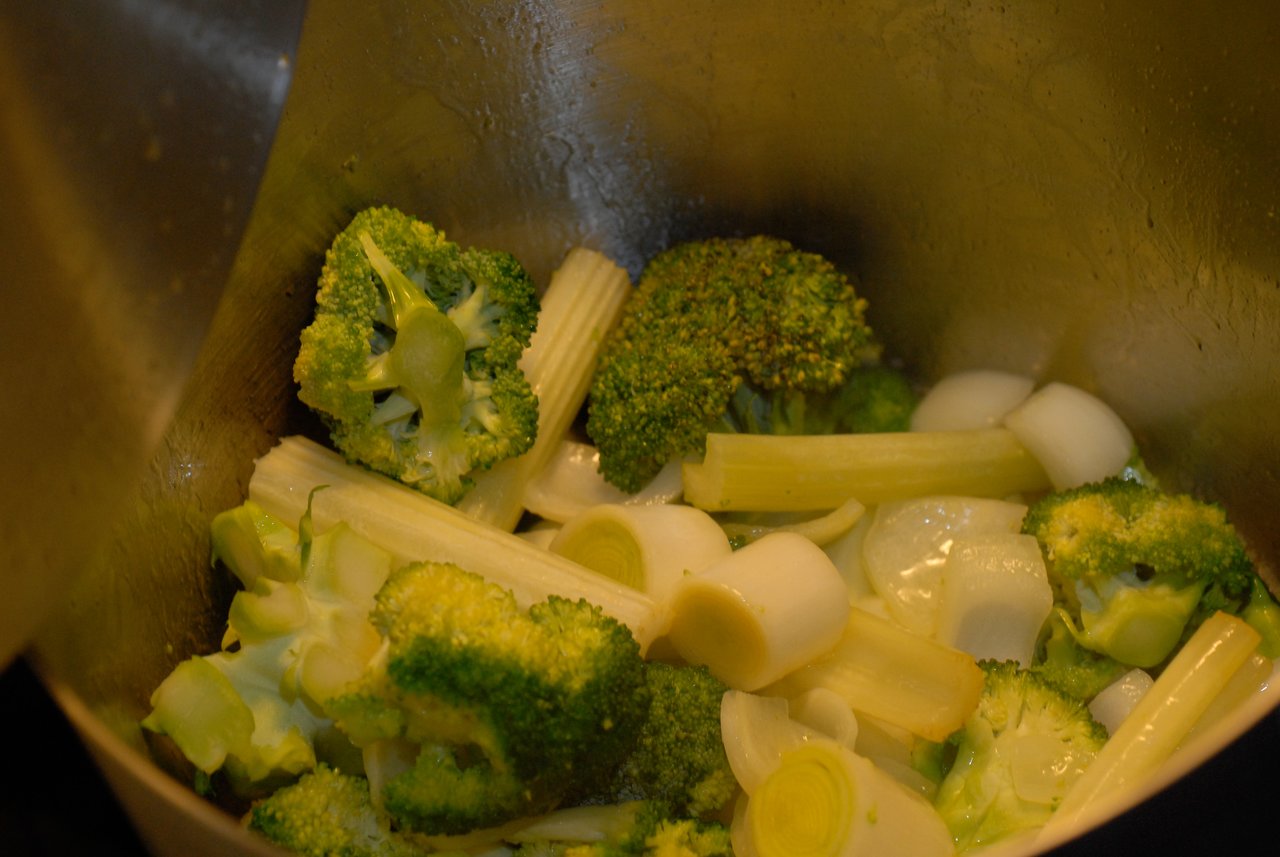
(1081, 191)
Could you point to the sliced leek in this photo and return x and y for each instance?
(649, 548)
(761, 612)
(889, 673)
(826, 801)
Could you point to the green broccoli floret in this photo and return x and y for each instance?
(327, 813)
(1138, 569)
(1015, 757)
(1062, 661)
(874, 397)
(411, 359)
(296, 634)
(679, 759)
(505, 712)
(706, 318)
(637, 829)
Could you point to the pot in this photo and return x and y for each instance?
(1081, 193)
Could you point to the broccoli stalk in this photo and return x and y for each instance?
(411, 358)
(295, 635)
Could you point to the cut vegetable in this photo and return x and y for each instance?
(826, 800)
(582, 301)
(995, 596)
(907, 543)
(649, 548)
(756, 615)
(1074, 435)
(571, 483)
(883, 670)
(1165, 715)
(414, 527)
(744, 472)
(822, 530)
(974, 399)
(758, 731)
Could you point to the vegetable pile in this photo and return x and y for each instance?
(690, 568)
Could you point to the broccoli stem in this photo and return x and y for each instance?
(414, 527)
(428, 356)
(887, 672)
(1160, 722)
(582, 302)
(743, 472)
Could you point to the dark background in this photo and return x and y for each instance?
(53, 803)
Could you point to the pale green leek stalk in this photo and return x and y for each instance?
(414, 527)
(1163, 718)
(744, 472)
(761, 612)
(582, 302)
(650, 548)
(885, 671)
(824, 799)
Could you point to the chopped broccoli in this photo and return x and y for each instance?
(679, 758)
(874, 397)
(638, 829)
(327, 813)
(706, 318)
(296, 635)
(508, 712)
(411, 359)
(1137, 569)
(1062, 661)
(1015, 757)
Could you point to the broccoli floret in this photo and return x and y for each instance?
(296, 634)
(1015, 757)
(874, 397)
(1137, 569)
(706, 318)
(639, 829)
(327, 813)
(508, 712)
(679, 759)
(1061, 660)
(411, 359)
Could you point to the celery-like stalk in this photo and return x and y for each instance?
(582, 301)
(414, 527)
(816, 472)
(1165, 716)
(889, 673)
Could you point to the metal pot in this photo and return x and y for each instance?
(1084, 193)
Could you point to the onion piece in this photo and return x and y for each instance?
(974, 399)
(1076, 437)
